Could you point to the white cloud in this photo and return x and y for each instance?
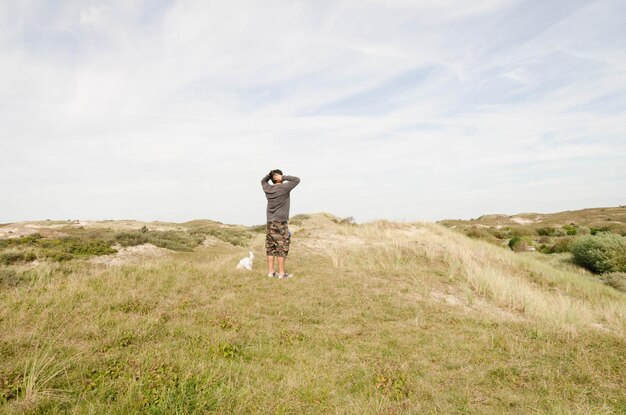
(404, 110)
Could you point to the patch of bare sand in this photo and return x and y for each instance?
(16, 230)
(210, 240)
(131, 254)
(522, 221)
(455, 298)
(330, 241)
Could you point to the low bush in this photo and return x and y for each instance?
(28, 240)
(57, 256)
(12, 257)
(560, 232)
(596, 230)
(520, 244)
(30, 247)
(174, 240)
(564, 244)
(545, 240)
(131, 238)
(570, 229)
(10, 278)
(583, 230)
(478, 233)
(522, 231)
(234, 236)
(499, 233)
(170, 244)
(601, 253)
(546, 231)
(77, 246)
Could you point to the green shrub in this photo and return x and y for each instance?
(174, 240)
(519, 244)
(616, 280)
(522, 231)
(478, 233)
(596, 230)
(546, 231)
(564, 244)
(499, 233)
(66, 248)
(571, 229)
(12, 257)
(169, 244)
(85, 247)
(514, 241)
(57, 256)
(234, 236)
(11, 278)
(545, 249)
(583, 230)
(601, 253)
(545, 240)
(29, 240)
(131, 238)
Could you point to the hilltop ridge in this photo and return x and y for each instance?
(589, 217)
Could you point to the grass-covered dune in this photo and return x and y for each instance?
(381, 317)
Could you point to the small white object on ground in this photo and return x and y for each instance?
(246, 263)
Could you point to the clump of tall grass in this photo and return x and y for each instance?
(616, 280)
(40, 378)
(9, 257)
(501, 276)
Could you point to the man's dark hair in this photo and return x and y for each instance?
(273, 172)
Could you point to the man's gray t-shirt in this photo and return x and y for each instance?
(278, 197)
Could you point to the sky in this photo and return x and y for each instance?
(385, 109)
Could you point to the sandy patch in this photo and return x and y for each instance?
(211, 240)
(478, 304)
(330, 241)
(522, 221)
(447, 298)
(16, 230)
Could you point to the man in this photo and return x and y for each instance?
(278, 236)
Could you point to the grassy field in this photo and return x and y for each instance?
(380, 318)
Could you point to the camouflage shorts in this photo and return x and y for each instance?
(277, 239)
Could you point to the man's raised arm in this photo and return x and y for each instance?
(264, 182)
(292, 181)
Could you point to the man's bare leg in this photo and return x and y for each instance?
(281, 265)
(270, 264)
